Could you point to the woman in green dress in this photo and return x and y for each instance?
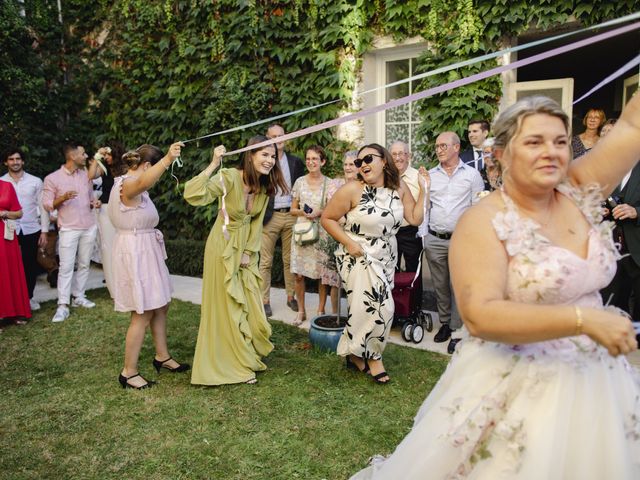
(234, 332)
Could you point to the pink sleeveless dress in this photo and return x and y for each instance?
(559, 409)
(140, 276)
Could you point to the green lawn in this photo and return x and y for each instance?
(64, 415)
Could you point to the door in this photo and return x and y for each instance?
(559, 89)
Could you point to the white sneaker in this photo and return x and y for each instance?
(82, 302)
(34, 305)
(61, 314)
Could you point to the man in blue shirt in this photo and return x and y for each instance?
(455, 186)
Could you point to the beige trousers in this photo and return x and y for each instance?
(280, 226)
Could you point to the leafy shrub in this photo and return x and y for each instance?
(186, 257)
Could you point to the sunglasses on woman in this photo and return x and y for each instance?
(366, 159)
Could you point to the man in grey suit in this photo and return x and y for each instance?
(278, 223)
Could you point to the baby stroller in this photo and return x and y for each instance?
(407, 295)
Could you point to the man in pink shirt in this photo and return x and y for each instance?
(70, 191)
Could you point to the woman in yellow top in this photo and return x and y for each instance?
(234, 332)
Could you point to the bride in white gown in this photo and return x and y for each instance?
(540, 387)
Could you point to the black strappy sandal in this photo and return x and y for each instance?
(182, 367)
(124, 381)
(353, 366)
(377, 378)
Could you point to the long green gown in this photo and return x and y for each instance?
(234, 332)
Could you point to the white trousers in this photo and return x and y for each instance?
(74, 244)
(107, 232)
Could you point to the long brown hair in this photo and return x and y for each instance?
(391, 172)
(254, 180)
(117, 167)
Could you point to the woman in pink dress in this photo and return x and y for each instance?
(141, 283)
(14, 298)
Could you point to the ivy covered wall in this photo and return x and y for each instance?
(160, 70)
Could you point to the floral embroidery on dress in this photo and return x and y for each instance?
(536, 276)
(632, 424)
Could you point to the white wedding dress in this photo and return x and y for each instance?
(560, 409)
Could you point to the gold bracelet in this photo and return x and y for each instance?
(578, 320)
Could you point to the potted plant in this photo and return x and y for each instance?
(325, 330)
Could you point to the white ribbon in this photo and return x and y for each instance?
(430, 73)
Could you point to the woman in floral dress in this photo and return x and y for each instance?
(592, 121)
(374, 207)
(540, 387)
(309, 191)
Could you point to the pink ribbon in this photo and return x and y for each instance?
(625, 68)
(223, 208)
(442, 88)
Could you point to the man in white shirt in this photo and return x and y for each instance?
(32, 233)
(409, 245)
(455, 186)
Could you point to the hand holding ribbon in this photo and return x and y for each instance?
(216, 159)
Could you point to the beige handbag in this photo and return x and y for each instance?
(9, 229)
(306, 232)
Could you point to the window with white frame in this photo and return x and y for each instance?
(401, 123)
(386, 64)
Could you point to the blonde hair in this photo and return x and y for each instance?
(597, 111)
(508, 123)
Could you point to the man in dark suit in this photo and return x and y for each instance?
(278, 223)
(477, 131)
(627, 217)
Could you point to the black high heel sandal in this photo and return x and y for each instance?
(182, 367)
(124, 381)
(353, 366)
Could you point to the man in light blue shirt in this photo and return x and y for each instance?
(455, 186)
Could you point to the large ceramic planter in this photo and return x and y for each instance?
(325, 338)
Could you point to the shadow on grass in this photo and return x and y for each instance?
(65, 416)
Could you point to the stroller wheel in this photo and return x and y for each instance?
(407, 329)
(417, 334)
(427, 321)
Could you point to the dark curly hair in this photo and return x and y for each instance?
(391, 173)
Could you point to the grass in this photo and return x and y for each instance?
(65, 416)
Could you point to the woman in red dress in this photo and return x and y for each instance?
(14, 298)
